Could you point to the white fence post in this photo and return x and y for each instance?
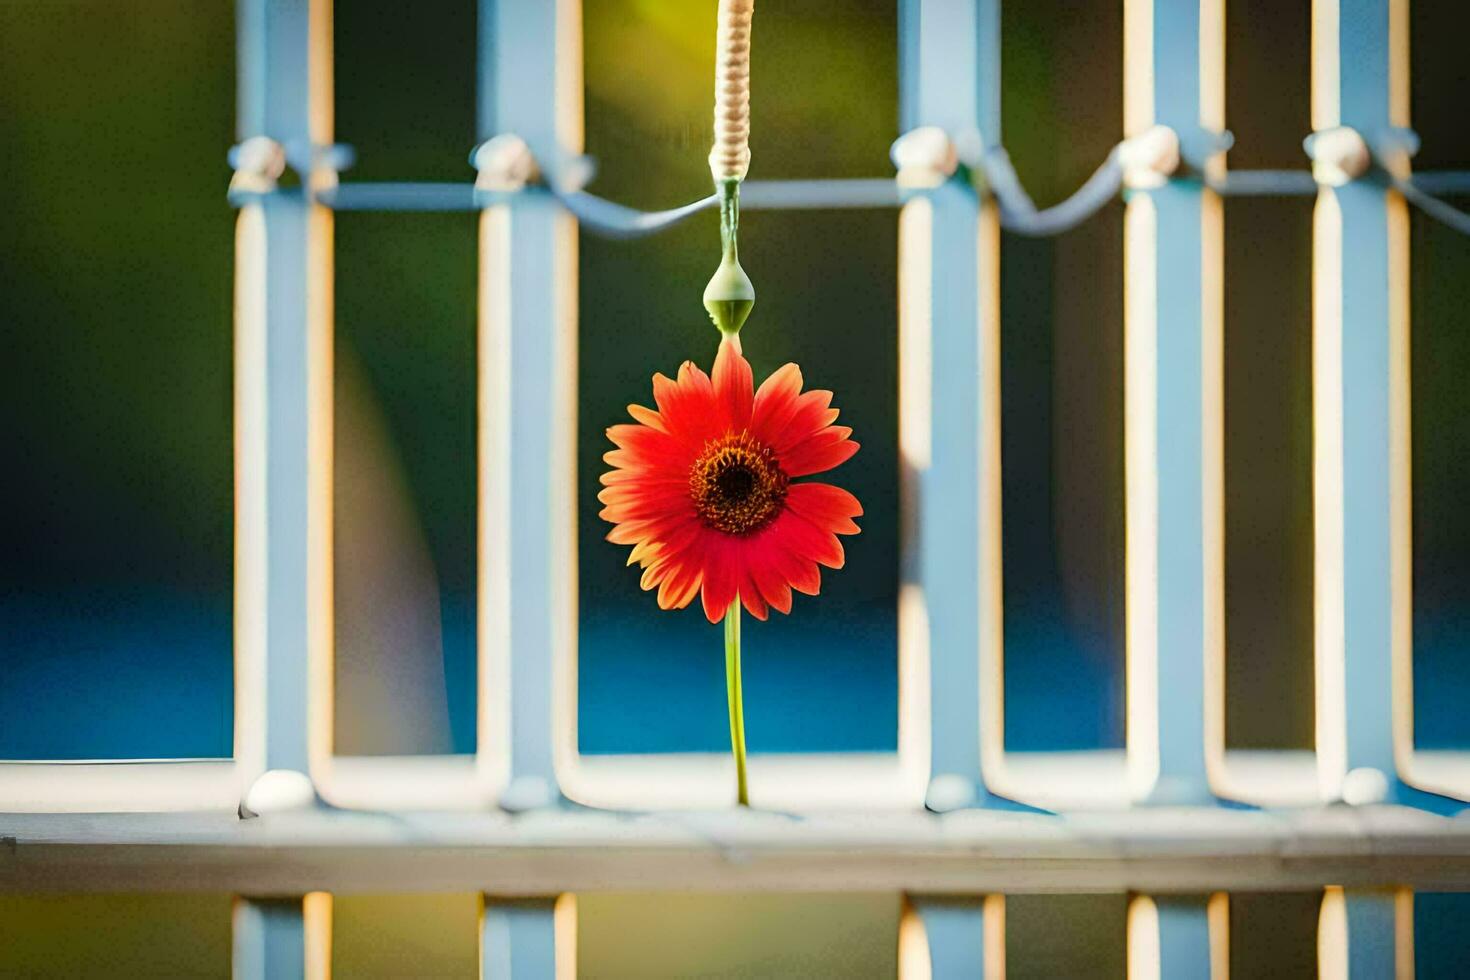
(1173, 406)
(282, 938)
(528, 938)
(1366, 933)
(949, 426)
(957, 938)
(530, 86)
(1360, 403)
(1170, 936)
(283, 610)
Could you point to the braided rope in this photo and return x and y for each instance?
(730, 157)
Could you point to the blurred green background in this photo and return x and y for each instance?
(115, 394)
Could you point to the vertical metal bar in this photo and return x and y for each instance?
(1169, 936)
(949, 937)
(251, 68)
(1365, 933)
(279, 938)
(1172, 410)
(1372, 933)
(528, 939)
(951, 67)
(284, 382)
(1217, 910)
(530, 85)
(948, 279)
(1360, 371)
(1184, 936)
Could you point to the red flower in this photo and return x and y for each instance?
(702, 488)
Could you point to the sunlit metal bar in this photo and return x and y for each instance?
(1366, 933)
(283, 322)
(1169, 936)
(1362, 455)
(949, 385)
(1184, 936)
(953, 938)
(283, 284)
(275, 938)
(1360, 412)
(531, 86)
(1172, 311)
(528, 938)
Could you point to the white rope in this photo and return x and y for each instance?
(730, 158)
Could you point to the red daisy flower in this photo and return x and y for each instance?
(702, 488)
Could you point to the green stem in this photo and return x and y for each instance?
(737, 706)
(729, 194)
(729, 295)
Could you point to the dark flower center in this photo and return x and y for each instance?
(737, 485)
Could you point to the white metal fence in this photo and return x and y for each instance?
(1144, 820)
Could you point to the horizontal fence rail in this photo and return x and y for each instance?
(546, 853)
(1145, 820)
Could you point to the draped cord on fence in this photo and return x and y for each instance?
(1437, 209)
(1018, 212)
(996, 173)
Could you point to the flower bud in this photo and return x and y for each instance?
(729, 295)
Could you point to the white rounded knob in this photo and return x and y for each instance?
(1339, 155)
(278, 791)
(259, 162)
(1363, 786)
(1150, 157)
(925, 157)
(505, 163)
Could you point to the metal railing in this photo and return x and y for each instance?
(956, 191)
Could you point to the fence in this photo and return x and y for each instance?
(866, 828)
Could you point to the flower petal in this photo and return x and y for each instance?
(733, 384)
(803, 538)
(648, 417)
(686, 405)
(721, 576)
(775, 403)
(680, 586)
(764, 569)
(625, 461)
(750, 598)
(644, 442)
(820, 452)
(649, 508)
(802, 573)
(635, 491)
(814, 412)
(825, 506)
(654, 528)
